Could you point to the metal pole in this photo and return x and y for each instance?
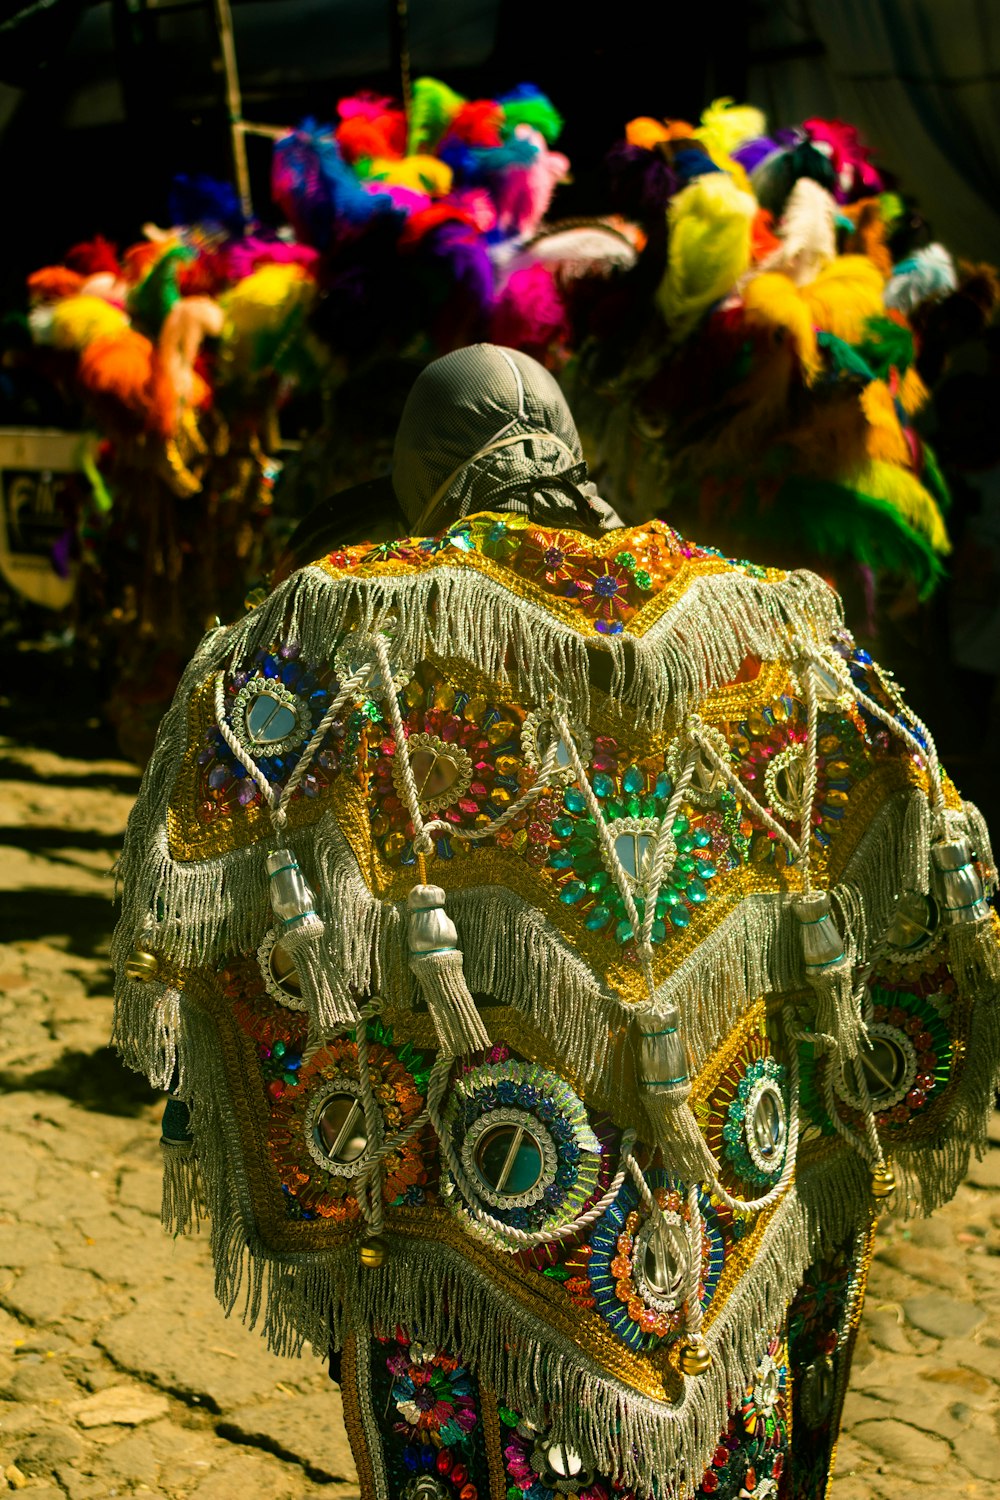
(399, 29)
(234, 105)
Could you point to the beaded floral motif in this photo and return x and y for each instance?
(749, 1461)
(425, 1403)
(535, 1467)
(633, 800)
(603, 585)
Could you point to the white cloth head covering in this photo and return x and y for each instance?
(486, 428)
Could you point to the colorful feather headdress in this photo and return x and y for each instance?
(779, 387)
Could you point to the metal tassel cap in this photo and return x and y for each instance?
(431, 928)
(957, 883)
(292, 897)
(662, 1060)
(822, 943)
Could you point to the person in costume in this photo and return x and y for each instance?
(566, 942)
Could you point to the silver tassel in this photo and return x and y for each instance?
(300, 930)
(182, 1205)
(973, 946)
(665, 1084)
(436, 961)
(829, 972)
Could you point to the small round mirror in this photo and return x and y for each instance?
(664, 1259)
(768, 1124)
(284, 973)
(563, 1462)
(340, 1129)
(509, 1159)
(914, 923)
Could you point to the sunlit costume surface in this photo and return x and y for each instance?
(565, 941)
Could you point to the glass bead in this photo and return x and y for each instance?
(561, 859)
(572, 891)
(687, 865)
(707, 869)
(685, 844)
(634, 780)
(603, 785)
(697, 892)
(499, 732)
(680, 916)
(667, 898)
(598, 918)
(563, 828)
(680, 827)
(643, 580)
(623, 932)
(598, 882)
(633, 807)
(573, 800)
(702, 838)
(664, 786)
(613, 809)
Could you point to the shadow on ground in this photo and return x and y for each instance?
(75, 922)
(96, 1080)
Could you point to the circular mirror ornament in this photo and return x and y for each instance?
(816, 1388)
(336, 1133)
(281, 979)
(561, 1468)
(915, 926)
(755, 1128)
(511, 1156)
(268, 718)
(528, 1154)
(660, 1258)
(886, 1065)
(766, 1125)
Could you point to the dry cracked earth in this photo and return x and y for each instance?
(119, 1374)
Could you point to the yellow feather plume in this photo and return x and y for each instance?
(913, 394)
(423, 174)
(884, 439)
(900, 489)
(261, 299)
(844, 295)
(725, 125)
(77, 321)
(774, 301)
(709, 249)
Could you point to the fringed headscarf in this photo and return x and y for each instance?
(486, 428)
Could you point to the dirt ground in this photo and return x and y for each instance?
(119, 1374)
